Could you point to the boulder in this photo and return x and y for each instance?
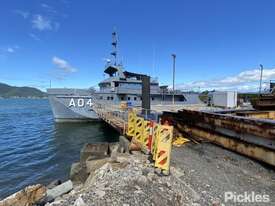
(98, 174)
(113, 148)
(25, 197)
(122, 157)
(92, 165)
(79, 202)
(95, 151)
(54, 184)
(59, 190)
(78, 173)
(123, 144)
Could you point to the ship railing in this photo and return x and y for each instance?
(119, 114)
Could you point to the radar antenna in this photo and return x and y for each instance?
(114, 44)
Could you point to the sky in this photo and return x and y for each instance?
(219, 44)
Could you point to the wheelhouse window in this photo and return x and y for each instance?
(129, 98)
(135, 98)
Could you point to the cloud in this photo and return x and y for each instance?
(24, 14)
(244, 81)
(63, 65)
(35, 37)
(8, 50)
(41, 23)
(48, 8)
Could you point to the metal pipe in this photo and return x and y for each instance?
(174, 68)
(261, 77)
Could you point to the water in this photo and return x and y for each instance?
(34, 149)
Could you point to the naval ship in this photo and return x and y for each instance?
(69, 105)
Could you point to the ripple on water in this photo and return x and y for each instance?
(35, 150)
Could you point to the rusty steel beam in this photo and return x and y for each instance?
(251, 137)
(254, 151)
(242, 125)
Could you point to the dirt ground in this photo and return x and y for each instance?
(209, 171)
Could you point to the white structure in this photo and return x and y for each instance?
(226, 99)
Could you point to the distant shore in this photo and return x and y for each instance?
(16, 97)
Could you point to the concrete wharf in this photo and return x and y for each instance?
(250, 133)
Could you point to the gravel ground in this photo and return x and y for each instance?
(210, 171)
(200, 174)
(134, 183)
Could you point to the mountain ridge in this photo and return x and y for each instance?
(8, 91)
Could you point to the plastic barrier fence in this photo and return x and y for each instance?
(139, 128)
(156, 138)
(163, 150)
(131, 123)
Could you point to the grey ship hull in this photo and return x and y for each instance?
(72, 105)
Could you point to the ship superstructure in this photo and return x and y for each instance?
(120, 85)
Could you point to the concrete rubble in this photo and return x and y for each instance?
(126, 179)
(25, 197)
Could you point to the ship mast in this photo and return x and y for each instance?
(114, 45)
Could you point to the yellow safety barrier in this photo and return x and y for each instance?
(146, 133)
(156, 128)
(139, 129)
(158, 141)
(131, 123)
(164, 145)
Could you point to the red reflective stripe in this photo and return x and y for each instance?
(150, 135)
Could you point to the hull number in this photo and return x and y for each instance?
(80, 103)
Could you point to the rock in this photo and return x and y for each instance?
(94, 151)
(138, 153)
(133, 146)
(158, 171)
(28, 196)
(147, 170)
(121, 158)
(53, 184)
(92, 165)
(142, 180)
(78, 173)
(113, 148)
(137, 187)
(98, 174)
(79, 202)
(100, 193)
(216, 202)
(55, 203)
(123, 144)
(59, 190)
(151, 176)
